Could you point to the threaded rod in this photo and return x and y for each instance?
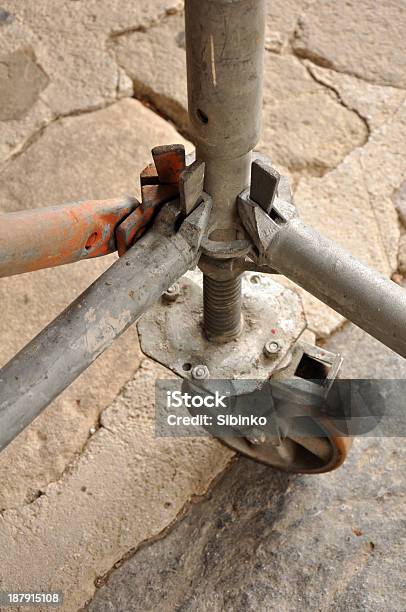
(222, 308)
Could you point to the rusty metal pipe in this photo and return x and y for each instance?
(56, 235)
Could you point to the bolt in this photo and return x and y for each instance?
(222, 318)
(255, 279)
(200, 372)
(256, 437)
(172, 293)
(272, 348)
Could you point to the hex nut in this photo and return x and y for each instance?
(172, 293)
(200, 372)
(272, 348)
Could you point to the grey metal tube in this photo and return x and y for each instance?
(62, 351)
(225, 55)
(225, 51)
(374, 303)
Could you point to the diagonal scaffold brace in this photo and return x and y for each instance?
(224, 211)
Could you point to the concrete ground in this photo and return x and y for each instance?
(86, 89)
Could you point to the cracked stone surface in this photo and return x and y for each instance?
(112, 144)
(359, 37)
(71, 43)
(94, 155)
(126, 487)
(281, 20)
(264, 540)
(374, 103)
(305, 128)
(155, 61)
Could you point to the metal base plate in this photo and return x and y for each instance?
(172, 334)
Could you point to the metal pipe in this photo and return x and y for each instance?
(225, 55)
(62, 351)
(56, 235)
(374, 303)
(225, 52)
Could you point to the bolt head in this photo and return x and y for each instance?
(200, 372)
(172, 293)
(272, 348)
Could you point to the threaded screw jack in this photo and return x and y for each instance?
(222, 308)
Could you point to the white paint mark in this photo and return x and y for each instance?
(213, 62)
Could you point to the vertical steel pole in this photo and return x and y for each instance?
(225, 50)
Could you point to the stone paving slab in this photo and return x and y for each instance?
(266, 541)
(68, 43)
(360, 37)
(126, 487)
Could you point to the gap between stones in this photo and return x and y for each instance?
(100, 581)
(36, 135)
(305, 54)
(339, 100)
(177, 9)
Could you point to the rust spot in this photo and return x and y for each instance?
(91, 241)
(357, 532)
(170, 161)
(134, 226)
(149, 176)
(156, 195)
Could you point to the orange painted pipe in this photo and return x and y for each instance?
(56, 235)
